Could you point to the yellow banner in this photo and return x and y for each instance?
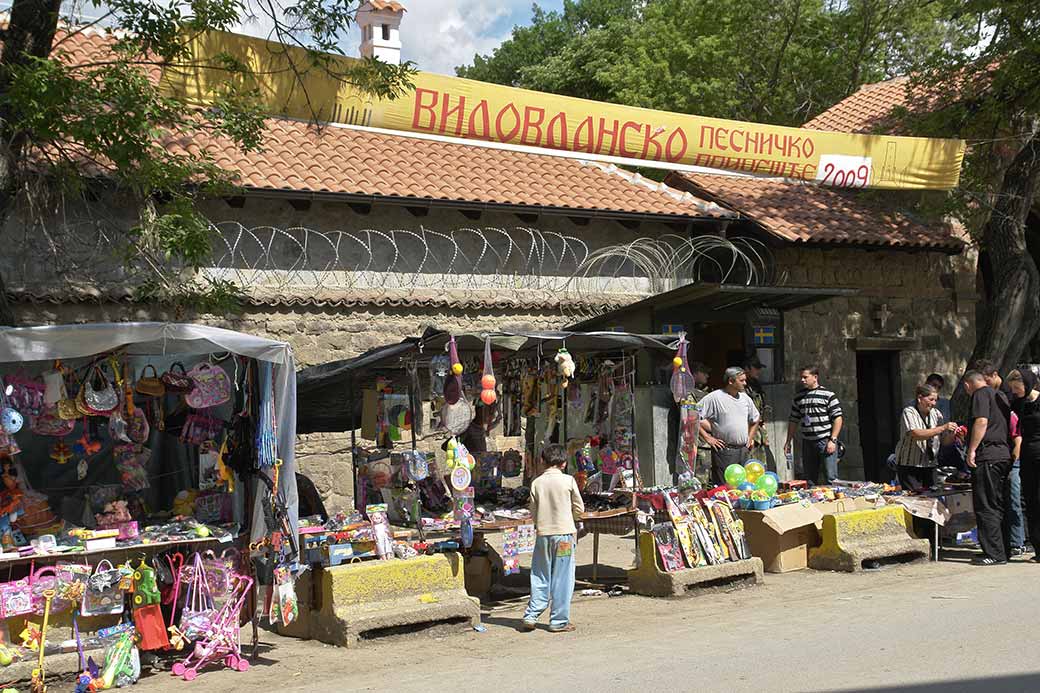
(466, 109)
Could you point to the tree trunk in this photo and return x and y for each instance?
(1010, 318)
(30, 33)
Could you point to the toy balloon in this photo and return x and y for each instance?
(488, 397)
(735, 475)
(488, 382)
(746, 486)
(774, 475)
(766, 483)
(754, 470)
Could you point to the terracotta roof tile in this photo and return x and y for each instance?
(807, 213)
(298, 157)
(867, 111)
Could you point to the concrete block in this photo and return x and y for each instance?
(649, 580)
(853, 537)
(373, 597)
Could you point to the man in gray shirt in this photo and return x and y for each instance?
(729, 420)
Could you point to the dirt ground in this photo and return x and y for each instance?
(897, 628)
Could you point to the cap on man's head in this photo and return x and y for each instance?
(754, 362)
(699, 367)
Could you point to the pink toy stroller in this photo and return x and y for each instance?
(221, 640)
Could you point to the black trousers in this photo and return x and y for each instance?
(989, 487)
(1030, 472)
(720, 459)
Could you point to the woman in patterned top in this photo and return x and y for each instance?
(920, 427)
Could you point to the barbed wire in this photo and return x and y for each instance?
(299, 260)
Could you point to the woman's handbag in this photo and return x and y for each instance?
(150, 385)
(98, 395)
(212, 387)
(177, 383)
(102, 596)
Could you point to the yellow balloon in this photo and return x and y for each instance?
(677, 362)
(754, 470)
(456, 368)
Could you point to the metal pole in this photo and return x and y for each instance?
(353, 440)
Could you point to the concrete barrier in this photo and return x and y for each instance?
(860, 535)
(352, 602)
(649, 580)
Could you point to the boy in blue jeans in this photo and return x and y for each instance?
(555, 505)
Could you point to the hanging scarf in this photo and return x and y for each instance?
(266, 429)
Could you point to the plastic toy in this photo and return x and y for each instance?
(118, 661)
(221, 640)
(754, 470)
(565, 365)
(39, 676)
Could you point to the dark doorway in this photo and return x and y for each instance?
(877, 381)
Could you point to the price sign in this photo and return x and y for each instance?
(841, 171)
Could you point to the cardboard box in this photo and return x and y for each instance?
(781, 536)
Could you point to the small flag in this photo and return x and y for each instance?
(765, 335)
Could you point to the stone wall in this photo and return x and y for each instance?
(928, 303)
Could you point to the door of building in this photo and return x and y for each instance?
(877, 381)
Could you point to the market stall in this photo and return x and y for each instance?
(142, 465)
(453, 427)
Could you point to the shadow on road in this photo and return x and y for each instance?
(995, 684)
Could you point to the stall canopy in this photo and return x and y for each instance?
(326, 402)
(19, 344)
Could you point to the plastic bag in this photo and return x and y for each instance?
(103, 596)
(199, 608)
(122, 662)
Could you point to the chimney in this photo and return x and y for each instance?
(380, 23)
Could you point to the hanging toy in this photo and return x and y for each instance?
(565, 365)
(682, 384)
(488, 394)
(84, 445)
(60, 452)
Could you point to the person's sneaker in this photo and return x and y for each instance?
(1017, 551)
(986, 560)
(526, 626)
(569, 628)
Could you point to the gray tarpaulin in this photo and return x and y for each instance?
(25, 344)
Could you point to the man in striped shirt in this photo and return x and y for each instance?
(817, 412)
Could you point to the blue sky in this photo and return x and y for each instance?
(437, 34)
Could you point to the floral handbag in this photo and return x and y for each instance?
(212, 387)
(48, 423)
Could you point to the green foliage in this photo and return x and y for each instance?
(62, 121)
(989, 94)
(777, 61)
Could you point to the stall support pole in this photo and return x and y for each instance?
(595, 556)
(412, 399)
(353, 441)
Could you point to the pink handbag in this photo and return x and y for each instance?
(212, 387)
(48, 423)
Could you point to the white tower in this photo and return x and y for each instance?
(380, 22)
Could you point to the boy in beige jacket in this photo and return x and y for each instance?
(555, 505)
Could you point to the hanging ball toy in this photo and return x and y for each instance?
(488, 382)
(456, 368)
(677, 361)
(488, 397)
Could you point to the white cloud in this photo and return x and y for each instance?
(441, 34)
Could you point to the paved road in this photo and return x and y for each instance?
(916, 628)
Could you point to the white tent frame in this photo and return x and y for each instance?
(47, 343)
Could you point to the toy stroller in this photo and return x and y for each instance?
(221, 640)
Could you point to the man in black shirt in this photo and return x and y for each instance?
(989, 457)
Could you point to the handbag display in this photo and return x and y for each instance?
(15, 598)
(212, 387)
(150, 386)
(102, 596)
(26, 394)
(68, 407)
(48, 423)
(177, 383)
(98, 395)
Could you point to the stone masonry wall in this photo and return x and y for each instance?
(931, 298)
